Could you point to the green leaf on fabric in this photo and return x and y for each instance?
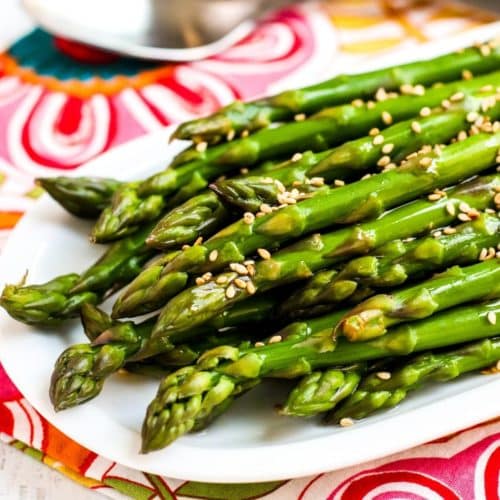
(133, 490)
(216, 491)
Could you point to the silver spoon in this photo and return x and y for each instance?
(176, 30)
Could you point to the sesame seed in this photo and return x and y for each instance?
(240, 283)
(346, 422)
(406, 88)
(384, 161)
(267, 180)
(390, 166)
(463, 217)
(419, 90)
(425, 111)
(251, 288)
(370, 104)
(381, 94)
(496, 199)
(374, 131)
(230, 135)
(437, 234)
(483, 254)
(207, 276)
(275, 339)
(445, 104)
(220, 280)
(264, 254)
(317, 181)
(339, 182)
(434, 197)
(450, 208)
(266, 208)
(449, 230)
(212, 256)
(357, 103)
(492, 317)
(251, 269)
(248, 262)
(280, 186)
(464, 207)
(244, 171)
(467, 74)
(297, 157)
(259, 344)
(238, 268)
(462, 135)
(472, 116)
(198, 240)
(457, 97)
(199, 281)
(248, 218)
(378, 140)
(366, 176)
(230, 292)
(245, 133)
(387, 148)
(384, 375)
(185, 247)
(485, 50)
(425, 162)
(201, 147)
(300, 117)
(386, 117)
(415, 126)
(487, 88)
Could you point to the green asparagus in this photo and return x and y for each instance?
(81, 196)
(219, 373)
(239, 116)
(393, 264)
(385, 390)
(312, 254)
(372, 317)
(321, 391)
(345, 161)
(137, 203)
(202, 216)
(81, 370)
(62, 297)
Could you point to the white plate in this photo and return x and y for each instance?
(249, 443)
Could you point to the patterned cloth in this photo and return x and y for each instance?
(62, 104)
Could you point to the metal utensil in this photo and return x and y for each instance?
(176, 30)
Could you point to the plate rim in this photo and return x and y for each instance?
(201, 467)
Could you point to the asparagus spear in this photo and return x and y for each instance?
(134, 203)
(321, 391)
(81, 196)
(219, 373)
(202, 216)
(376, 393)
(253, 115)
(372, 317)
(393, 264)
(62, 297)
(345, 161)
(317, 252)
(81, 370)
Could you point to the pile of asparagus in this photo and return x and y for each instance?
(346, 235)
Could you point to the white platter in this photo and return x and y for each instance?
(250, 442)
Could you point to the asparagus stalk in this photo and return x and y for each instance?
(81, 370)
(62, 297)
(345, 161)
(312, 254)
(372, 317)
(376, 393)
(321, 391)
(202, 216)
(238, 117)
(137, 203)
(81, 196)
(394, 264)
(219, 373)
